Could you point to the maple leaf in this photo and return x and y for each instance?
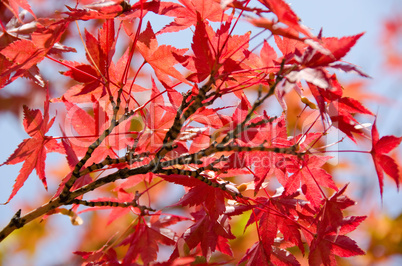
(288, 46)
(329, 229)
(382, 162)
(211, 117)
(39, 36)
(323, 251)
(340, 109)
(217, 237)
(161, 58)
(99, 53)
(295, 52)
(33, 151)
(309, 175)
(260, 254)
(86, 74)
(326, 53)
(338, 48)
(267, 163)
(90, 128)
(312, 58)
(277, 30)
(104, 255)
(92, 81)
(186, 15)
(265, 61)
(101, 50)
(99, 10)
(211, 198)
(20, 3)
(25, 54)
(144, 241)
(157, 120)
(285, 15)
(203, 60)
(332, 216)
(216, 53)
(341, 114)
(276, 214)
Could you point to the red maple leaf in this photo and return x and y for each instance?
(23, 54)
(161, 58)
(326, 52)
(14, 4)
(98, 10)
(33, 151)
(314, 57)
(86, 74)
(217, 237)
(211, 117)
(276, 214)
(99, 54)
(326, 236)
(157, 121)
(382, 162)
(340, 109)
(89, 129)
(273, 135)
(215, 52)
(308, 175)
(289, 46)
(277, 30)
(91, 81)
(186, 15)
(201, 194)
(266, 60)
(104, 255)
(260, 254)
(331, 217)
(341, 113)
(323, 251)
(285, 15)
(338, 48)
(144, 241)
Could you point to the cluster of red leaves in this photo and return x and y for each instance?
(299, 215)
(324, 231)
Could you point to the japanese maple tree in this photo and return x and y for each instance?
(137, 116)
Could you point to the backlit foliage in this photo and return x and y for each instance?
(137, 115)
